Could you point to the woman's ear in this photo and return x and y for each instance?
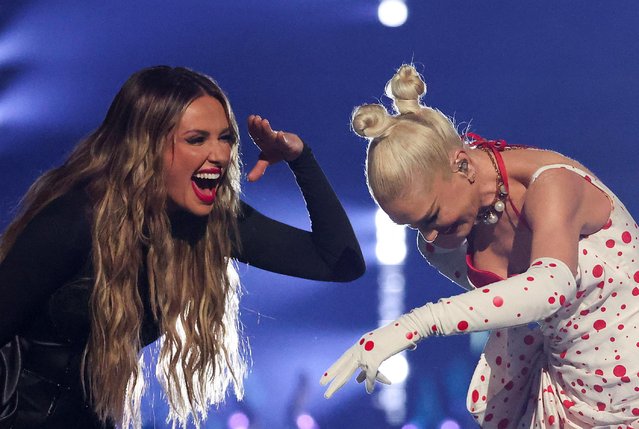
(461, 163)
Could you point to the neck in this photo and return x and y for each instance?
(187, 226)
(486, 177)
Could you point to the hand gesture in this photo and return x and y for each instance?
(368, 354)
(275, 146)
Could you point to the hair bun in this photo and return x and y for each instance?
(406, 88)
(370, 120)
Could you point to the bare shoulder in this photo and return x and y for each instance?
(556, 190)
(522, 164)
(561, 198)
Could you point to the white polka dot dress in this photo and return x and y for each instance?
(579, 368)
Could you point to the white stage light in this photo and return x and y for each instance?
(391, 240)
(395, 368)
(392, 13)
(391, 252)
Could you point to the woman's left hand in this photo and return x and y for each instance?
(275, 146)
(369, 352)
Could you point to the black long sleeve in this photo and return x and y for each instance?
(329, 252)
(51, 249)
(56, 244)
(52, 254)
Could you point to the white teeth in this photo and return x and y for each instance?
(209, 176)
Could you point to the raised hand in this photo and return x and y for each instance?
(275, 146)
(368, 354)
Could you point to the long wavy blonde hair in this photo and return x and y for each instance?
(193, 287)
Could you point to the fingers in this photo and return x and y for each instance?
(337, 367)
(340, 379)
(370, 382)
(257, 171)
(339, 373)
(260, 129)
(382, 378)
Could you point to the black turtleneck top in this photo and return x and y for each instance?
(46, 282)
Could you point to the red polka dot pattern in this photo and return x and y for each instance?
(583, 359)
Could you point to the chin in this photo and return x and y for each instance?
(201, 211)
(194, 209)
(461, 233)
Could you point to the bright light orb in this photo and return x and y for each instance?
(392, 13)
(395, 368)
(238, 420)
(449, 424)
(305, 421)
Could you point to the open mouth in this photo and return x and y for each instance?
(205, 183)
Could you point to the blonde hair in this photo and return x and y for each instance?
(414, 142)
(193, 287)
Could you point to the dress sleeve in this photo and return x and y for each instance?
(449, 262)
(329, 252)
(53, 246)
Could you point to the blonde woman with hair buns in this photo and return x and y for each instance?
(547, 255)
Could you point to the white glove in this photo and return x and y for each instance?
(545, 288)
(369, 352)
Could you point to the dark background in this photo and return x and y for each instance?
(556, 74)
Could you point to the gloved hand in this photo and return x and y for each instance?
(546, 287)
(369, 352)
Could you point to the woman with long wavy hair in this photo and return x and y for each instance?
(133, 238)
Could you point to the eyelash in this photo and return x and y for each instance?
(432, 221)
(195, 140)
(201, 139)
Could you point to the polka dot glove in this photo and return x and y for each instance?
(547, 287)
(369, 352)
(544, 289)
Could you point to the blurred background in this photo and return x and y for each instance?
(558, 75)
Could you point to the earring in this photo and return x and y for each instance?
(462, 166)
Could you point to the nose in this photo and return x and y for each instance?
(219, 153)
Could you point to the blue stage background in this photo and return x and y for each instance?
(558, 75)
